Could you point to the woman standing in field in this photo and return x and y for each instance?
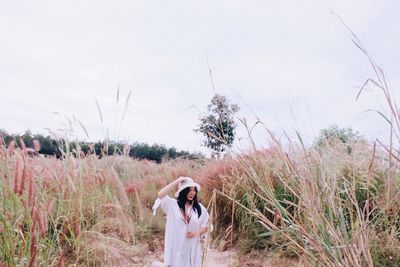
(186, 222)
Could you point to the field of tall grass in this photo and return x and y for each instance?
(332, 205)
(327, 206)
(83, 211)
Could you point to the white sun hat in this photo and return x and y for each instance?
(187, 182)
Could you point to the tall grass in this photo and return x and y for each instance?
(80, 210)
(50, 208)
(328, 206)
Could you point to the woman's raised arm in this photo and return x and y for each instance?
(163, 192)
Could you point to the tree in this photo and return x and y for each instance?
(47, 145)
(218, 125)
(334, 134)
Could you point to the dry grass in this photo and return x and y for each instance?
(84, 211)
(327, 207)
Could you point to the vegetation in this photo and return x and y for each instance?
(334, 134)
(322, 206)
(79, 210)
(57, 147)
(327, 205)
(218, 124)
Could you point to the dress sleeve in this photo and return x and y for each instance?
(204, 217)
(166, 203)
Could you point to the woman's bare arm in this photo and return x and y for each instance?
(163, 192)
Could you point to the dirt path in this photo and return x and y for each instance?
(214, 259)
(220, 259)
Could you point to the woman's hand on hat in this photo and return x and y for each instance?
(169, 187)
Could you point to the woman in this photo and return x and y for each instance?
(186, 222)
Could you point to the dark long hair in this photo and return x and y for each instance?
(182, 198)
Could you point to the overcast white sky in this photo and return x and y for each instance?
(290, 62)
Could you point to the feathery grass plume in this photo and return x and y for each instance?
(23, 146)
(141, 216)
(126, 150)
(120, 192)
(135, 187)
(11, 148)
(2, 149)
(126, 229)
(127, 103)
(99, 110)
(16, 175)
(31, 190)
(36, 145)
(33, 242)
(83, 128)
(23, 178)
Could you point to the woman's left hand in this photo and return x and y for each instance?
(192, 234)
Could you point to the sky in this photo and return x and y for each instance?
(290, 64)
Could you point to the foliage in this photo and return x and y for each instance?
(80, 211)
(56, 147)
(333, 134)
(329, 209)
(218, 125)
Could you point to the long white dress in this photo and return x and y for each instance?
(180, 251)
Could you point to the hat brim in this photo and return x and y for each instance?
(186, 186)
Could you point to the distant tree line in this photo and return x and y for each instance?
(50, 146)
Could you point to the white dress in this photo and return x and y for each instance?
(180, 251)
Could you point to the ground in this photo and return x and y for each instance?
(227, 258)
(214, 259)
